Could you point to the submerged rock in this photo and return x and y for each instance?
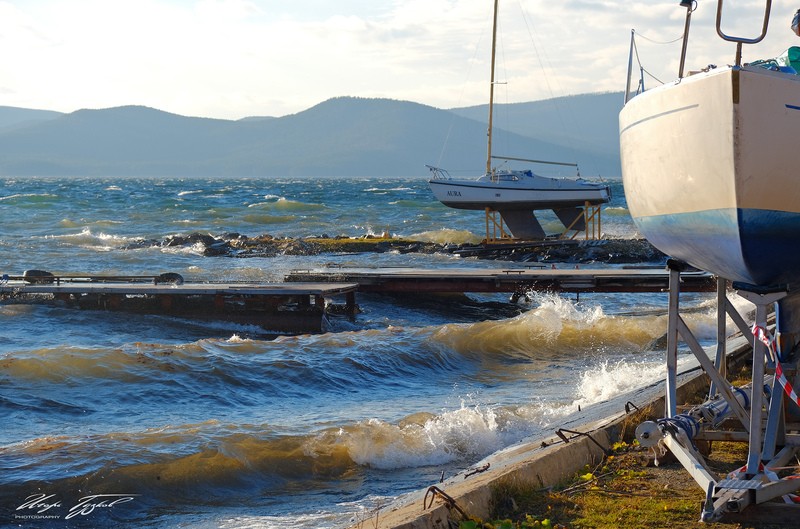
(611, 251)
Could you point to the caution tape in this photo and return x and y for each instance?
(764, 336)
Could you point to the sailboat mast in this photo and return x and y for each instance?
(491, 93)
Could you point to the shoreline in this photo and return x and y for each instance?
(236, 245)
(539, 463)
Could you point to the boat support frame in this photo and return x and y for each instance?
(756, 415)
(589, 218)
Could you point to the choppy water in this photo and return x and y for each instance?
(209, 424)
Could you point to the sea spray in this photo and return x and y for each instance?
(610, 379)
(446, 236)
(100, 241)
(459, 435)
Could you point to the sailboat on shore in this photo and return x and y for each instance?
(710, 172)
(516, 194)
(709, 164)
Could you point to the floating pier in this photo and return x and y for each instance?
(278, 307)
(507, 280)
(298, 304)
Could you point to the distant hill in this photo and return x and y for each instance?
(339, 137)
(12, 117)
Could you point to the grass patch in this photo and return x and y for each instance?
(619, 492)
(625, 490)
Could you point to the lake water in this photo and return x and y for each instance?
(182, 423)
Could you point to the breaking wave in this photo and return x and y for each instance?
(447, 236)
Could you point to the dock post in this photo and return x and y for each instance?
(66, 298)
(350, 303)
(113, 301)
(166, 301)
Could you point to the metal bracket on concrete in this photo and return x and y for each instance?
(449, 502)
(560, 432)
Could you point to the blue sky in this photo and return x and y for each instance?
(236, 58)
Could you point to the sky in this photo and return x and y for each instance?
(230, 59)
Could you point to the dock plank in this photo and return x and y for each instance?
(186, 289)
(507, 280)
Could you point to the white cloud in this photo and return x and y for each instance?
(234, 58)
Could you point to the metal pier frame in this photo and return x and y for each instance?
(772, 442)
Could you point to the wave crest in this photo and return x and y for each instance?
(447, 236)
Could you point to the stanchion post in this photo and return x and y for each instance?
(671, 398)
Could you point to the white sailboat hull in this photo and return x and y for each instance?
(710, 169)
(538, 193)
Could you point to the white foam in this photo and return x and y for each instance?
(611, 379)
(318, 520)
(238, 339)
(466, 433)
(548, 306)
(447, 236)
(381, 189)
(27, 195)
(86, 238)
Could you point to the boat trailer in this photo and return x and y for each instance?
(756, 414)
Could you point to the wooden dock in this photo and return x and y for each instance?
(298, 304)
(509, 280)
(278, 307)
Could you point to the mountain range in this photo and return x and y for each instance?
(344, 136)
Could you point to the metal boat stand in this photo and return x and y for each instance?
(586, 220)
(755, 414)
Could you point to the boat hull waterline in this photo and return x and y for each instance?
(710, 173)
(545, 193)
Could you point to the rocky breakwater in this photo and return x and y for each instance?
(611, 251)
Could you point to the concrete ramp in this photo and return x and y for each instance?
(523, 224)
